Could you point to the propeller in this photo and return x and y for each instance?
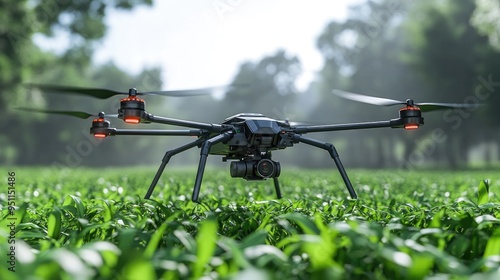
(77, 114)
(107, 93)
(424, 107)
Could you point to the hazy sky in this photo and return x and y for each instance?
(203, 43)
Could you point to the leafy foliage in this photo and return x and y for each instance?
(22, 61)
(87, 224)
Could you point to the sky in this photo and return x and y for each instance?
(203, 43)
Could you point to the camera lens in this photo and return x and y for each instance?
(265, 168)
(239, 169)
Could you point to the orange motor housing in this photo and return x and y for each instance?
(100, 127)
(411, 116)
(132, 109)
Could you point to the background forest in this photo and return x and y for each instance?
(435, 51)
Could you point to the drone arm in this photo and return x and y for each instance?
(115, 131)
(205, 149)
(177, 122)
(350, 126)
(335, 156)
(166, 159)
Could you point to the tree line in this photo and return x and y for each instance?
(435, 51)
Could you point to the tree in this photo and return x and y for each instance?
(452, 57)
(66, 140)
(485, 18)
(425, 50)
(363, 54)
(20, 20)
(21, 60)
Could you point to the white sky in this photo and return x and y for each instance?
(203, 43)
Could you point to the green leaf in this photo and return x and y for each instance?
(436, 220)
(186, 239)
(458, 245)
(140, 269)
(400, 258)
(421, 264)
(54, 224)
(253, 273)
(258, 251)
(303, 222)
(483, 192)
(70, 263)
(256, 238)
(75, 201)
(110, 255)
(108, 210)
(155, 240)
(231, 246)
(206, 243)
(157, 235)
(493, 245)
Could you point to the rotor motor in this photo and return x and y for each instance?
(411, 116)
(100, 126)
(132, 108)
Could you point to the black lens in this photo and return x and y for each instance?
(265, 168)
(238, 169)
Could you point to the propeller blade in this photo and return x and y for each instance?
(366, 99)
(94, 92)
(77, 114)
(189, 92)
(424, 107)
(427, 107)
(107, 93)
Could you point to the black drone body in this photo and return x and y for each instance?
(253, 134)
(246, 139)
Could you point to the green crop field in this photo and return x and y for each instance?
(94, 224)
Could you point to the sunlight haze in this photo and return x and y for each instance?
(203, 43)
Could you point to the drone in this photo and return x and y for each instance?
(246, 139)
